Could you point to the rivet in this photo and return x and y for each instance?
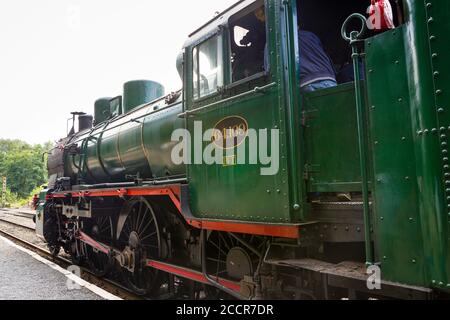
(413, 261)
(384, 258)
(441, 284)
(432, 38)
(434, 130)
(445, 151)
(296, 207)
(382, 218)
(426, 131)
(376, 142)
(444, 144)
(429, 5)
(373, 107)
(443, 136)
(268, 191)
(447, 183)
(411, 219)
(400, 99)
(419, 132)
(446, 167)
(445, 159)
(406, 178)
(370, 71)
(397, 62)
(447, 190)
(436, 74)
(441, 110)
(431, 20)
(403, 138)
(439, 91)
(442, 129)
(434, 55)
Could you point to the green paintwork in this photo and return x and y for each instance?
(139, 92)
(332, 140)
(240, 192)
(123, 147)
(409, 134)
(396, 201)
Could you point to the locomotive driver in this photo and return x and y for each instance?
(316, 68)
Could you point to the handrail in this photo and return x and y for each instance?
(353, 39)
(244, 94)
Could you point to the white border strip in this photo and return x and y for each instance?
(82, 283)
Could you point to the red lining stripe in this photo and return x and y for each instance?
(290, 231)
(191, 274)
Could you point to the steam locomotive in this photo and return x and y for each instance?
(357, 204)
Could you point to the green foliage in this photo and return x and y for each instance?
(24, 166)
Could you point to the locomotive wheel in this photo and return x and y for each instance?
(141, 235)
(102, 231)
(54, 250)
(51, 236)
(233, 256)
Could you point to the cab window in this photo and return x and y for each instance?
(249, 51)
(207, 67)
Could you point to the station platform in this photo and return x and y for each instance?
(26, 276)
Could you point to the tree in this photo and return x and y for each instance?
(23, 165)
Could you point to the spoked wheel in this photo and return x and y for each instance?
(233, 256)
(101, 230)
(51, 235)
(141, 236)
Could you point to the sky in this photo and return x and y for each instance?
(59, 56)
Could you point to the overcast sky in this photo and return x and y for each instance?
(58, 56)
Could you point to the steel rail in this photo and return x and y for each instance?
(15, 224)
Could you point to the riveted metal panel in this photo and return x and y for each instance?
(436, 25)
(397, 219)
(331, 136)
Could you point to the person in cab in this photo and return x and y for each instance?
(316, 68)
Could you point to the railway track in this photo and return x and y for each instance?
(18, 213)
(15, 224)
(86, 274)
